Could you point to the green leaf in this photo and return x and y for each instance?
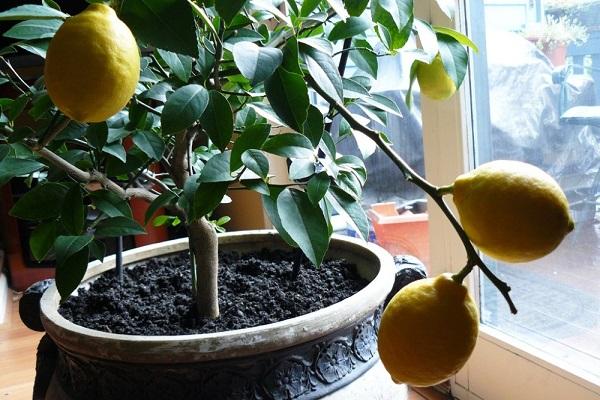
(217, 120)
(290, 145)
(264, 110)
(351, 209)
(308, 6)
(317, 186)
(150, 143)
(462, 39)
(66, 246)
(184, 107)
(256, 162)
(319, 44)
(427, 38)
(354, 90)
(42, 239)
(37, 47)
(356, 7)
(228, 9)
(207, 197)
(115, 149)
(165, 24)
(305, 223)
(118, 226)
(180, 65)
(162, 200)
(454, 56)
(288, 95)
(253, 138)
(365, 60)
(301, 168)
(256, 63)
(349, 28)
(31, 11)
(270, 206)
(291, 58)
(382, 103)
(11, 167)
(217, 169)
(258, 185)
(34, 29)
(16, 107)
(72, 214)
(70, 272)
(314, 125)
(110, 204)
(97, 135)
(339, 8)
(97, 250)
(324, 71)
(396, 17)
(50, 195)
(159, 91)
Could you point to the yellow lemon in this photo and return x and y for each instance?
(433, 79)
(512, 211)
(92, 65)
(428, 331)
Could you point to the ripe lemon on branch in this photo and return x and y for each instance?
(428, 331)
(512, 211)
(92, 65)
(434, 80)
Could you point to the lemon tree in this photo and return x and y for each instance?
(92, 65)
(512, 211)
(428, 331)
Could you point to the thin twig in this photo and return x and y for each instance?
(52, 132)
(16, 74)
(473, 258)
(146, 107)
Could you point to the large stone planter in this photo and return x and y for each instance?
(307, 357)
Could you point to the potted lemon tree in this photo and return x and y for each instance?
(175, 102)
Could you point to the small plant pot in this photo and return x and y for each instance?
(307, 357)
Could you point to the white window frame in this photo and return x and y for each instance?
(501, 366)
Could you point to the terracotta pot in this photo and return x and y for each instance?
(307, 357)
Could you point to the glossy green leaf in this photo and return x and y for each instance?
(351, 209)
(118, 226)
(37, 47)
(31, 11)
(11, 167)
(228, 9)
(217, 169)
(162, 200)
(382, 103)
(301, 168)
(253, 137)
(427, 38)
(97, 250)
(66, 246)
(324, 71)
(270, 206)
(356, 7)
(184, 107)
(150, 143)
(354, 90)
(338, 7)
(349, 28)
(97, 135)
(364, 58)
(49, 194)
(207, 197)
(256, 63)
(305, 222)
(110, 204)
(34, 29)
(462, 39)
(115, 149)
(217, 120)
(317, 186)
(165, 24)
(291, 57)
(42, 239)
(256, 162)
(314, 125)
(454, 56)
(257, 185)
(396, 17)
(308, 6)
(71, 271)
(72, 215)
(179, 64)
(290, 145)
(288, 95)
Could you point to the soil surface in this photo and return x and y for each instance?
(254, 289)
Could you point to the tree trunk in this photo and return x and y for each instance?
(204, 248)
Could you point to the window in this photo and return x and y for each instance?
(524, 104)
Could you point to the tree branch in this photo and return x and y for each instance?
(473, 258)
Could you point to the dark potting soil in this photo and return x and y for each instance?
(254, 289)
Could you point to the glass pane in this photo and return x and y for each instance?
(537, 86)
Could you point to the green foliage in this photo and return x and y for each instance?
(233, 83)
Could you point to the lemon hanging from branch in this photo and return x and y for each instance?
(428, 331)
(434, 80)
(512, 211)
(92, 65)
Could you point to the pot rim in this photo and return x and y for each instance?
(236, 343)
